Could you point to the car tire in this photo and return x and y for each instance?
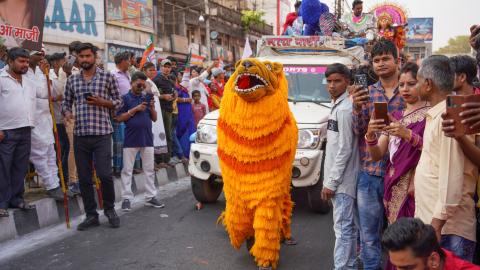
(315, 201)
(206, 191)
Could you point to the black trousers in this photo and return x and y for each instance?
(65, 149)
(86, 148)
(14, 155)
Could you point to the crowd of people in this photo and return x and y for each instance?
(104, 121)
(383, 168)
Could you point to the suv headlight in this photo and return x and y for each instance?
(207, 134)
(308, 138)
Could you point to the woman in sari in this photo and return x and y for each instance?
(185, 121)
(403, 140)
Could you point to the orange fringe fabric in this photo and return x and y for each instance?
(231, 134)
(253, 167)
(256, 147)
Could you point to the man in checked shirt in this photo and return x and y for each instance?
(95, 94)
(370, 180)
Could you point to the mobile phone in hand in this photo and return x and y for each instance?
(381, 112)
(361, 79)
(71, 59)
(454, 108)
(87, 95)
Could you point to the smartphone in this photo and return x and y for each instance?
(148, 98)
(361, 79)
(454, 108)
(381, 112)
(87, 95)
(71, 59)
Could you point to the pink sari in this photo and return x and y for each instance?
(404, 157)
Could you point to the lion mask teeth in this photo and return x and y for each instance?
(248, 82)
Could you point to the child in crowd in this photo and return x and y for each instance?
(199, 109)
(214, 97)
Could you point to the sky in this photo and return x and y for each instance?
(450, 18)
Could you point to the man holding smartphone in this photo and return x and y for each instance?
(370, 179)
(93, 131)
(138, 112)
(445, 179)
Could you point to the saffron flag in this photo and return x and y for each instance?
(188, 61)
(247, 51)
(149, 53)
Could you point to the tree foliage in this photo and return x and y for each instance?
(456, 45)
(252, 17)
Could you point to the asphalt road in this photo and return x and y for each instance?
(179, 237)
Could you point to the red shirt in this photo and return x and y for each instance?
(452, 262)
(476, 91)
(199, 111)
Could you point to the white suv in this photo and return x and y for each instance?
(309, 102)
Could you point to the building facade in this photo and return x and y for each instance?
(176, 26)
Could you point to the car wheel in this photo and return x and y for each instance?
(206, 191)
(315, 201)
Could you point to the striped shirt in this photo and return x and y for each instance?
(360, 126)
(91, 119)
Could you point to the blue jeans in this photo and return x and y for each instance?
(345, 251)
(463, 248)
(370, 218)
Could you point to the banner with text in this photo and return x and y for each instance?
(135, 14)
(70, 20)
(21, 24)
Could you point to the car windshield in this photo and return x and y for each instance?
(307, 84)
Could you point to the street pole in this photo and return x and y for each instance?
(278, 17)
(207, 30)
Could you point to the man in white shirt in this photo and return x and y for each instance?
(17, 103)
(42, 154)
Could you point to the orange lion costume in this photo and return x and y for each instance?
(257, 139)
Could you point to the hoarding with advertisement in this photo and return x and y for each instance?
(70, 20)
(21, 23)
(420, 30)
(113, 49)
(135, 14)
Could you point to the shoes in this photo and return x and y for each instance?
(55, 194)
(161, 166)
(153, 202)
(175, 160)
(126, 205)
(4, 213)
(74, 188)
(113, 218)
(290, 241)
(90, 221)
(23, 206)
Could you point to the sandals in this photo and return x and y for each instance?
(24, 206)
(4, 213)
